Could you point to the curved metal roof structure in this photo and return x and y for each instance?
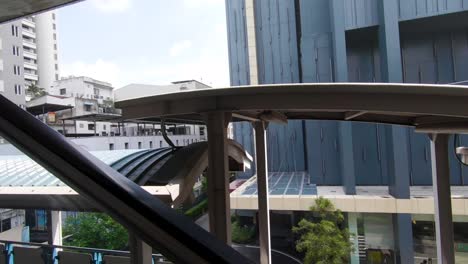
(20, 170)
(170, 174)
(426, 107)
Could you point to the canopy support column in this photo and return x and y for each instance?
(140, 252)
(262, 183)
(94, 128)
(218, 176)
(55, 234)
(442, 198)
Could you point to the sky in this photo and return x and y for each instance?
(144, 41)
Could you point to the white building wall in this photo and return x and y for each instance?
(140, 142)
(46, 40)
(82, 87)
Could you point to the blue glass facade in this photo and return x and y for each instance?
(310, 41)
(356, 41)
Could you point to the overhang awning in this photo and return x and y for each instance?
(12, 9)
(104, 117)
(49, 103)
(426, 107)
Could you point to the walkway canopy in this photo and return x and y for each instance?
(49, 103)
(12, 9)
(427, 107)
(438, 110)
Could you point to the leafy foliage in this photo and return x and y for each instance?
(204, 184)
(35, 91)
(321, 237)
(95, 230)
(242, 234)
(197, 210)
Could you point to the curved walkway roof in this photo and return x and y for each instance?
(20, 170)
(26, 184)
(427, 107)
(167, 173)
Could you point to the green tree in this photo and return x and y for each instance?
(35, 91)
(204, 184)
(322, 238)
(95, 230)
(242, 234)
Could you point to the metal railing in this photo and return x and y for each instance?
(49, 253)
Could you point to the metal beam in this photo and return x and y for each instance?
(398, 104)
(14, 9)
(218, 177)
(172, 234)
(262, 183)
(140, 252)
(442, 199)
(353, 114)
(443, 128)
(60, 198)
(273, 117)
(245, 117)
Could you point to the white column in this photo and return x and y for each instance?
(140, 252)
(442, 199)
(262, 183)
(219, 207)
(251, 40)
(56, 232)
(353, 229)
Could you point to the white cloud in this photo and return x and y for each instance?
(111, 6)
(100, 70)
(202, 3)
(179, 47)
(210, 66)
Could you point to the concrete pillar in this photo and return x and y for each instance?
(347, 158)
(262, 185)
(403, 233)
(340, 74)
(389, 41)
(353, 229)
(56, 228)
(140, 252)
(399, 186)
(397, 137)
(337, 22)
(218, 176)
(251, 41)
(399, 162)
(442, 199)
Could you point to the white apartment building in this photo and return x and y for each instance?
(82, 87)
(28, 55)
(91, 97)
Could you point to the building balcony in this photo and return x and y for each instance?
(28, 22)
(109, 110)
(29, 44)
(29, 55)
(29, 76)
(31, 66)
(28, 33)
